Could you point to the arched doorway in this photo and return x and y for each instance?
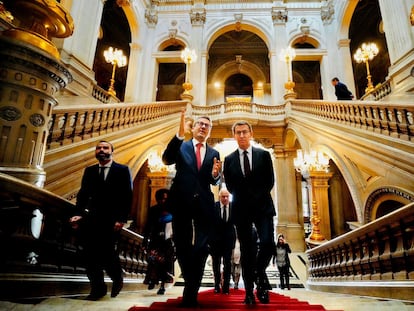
(171, 75)
(238, 66)
(118, 37)
(366, 26)
(238, 85)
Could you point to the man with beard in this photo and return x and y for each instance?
(191, 201)
(102, 206)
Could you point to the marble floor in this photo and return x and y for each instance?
(141, 296)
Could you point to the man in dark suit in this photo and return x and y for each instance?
(191, 201)
(341, 90)
(222, 242)
(248, 174)
(102, 207)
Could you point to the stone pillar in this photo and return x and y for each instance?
(148, 185)
(30, 75)
(159, 180)
(288, 209)
(320, 204)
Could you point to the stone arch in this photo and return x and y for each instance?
(133, 19)
(345, 16)
(169, 42)
(307, 39)
(378, 197)
(295, 139)
(230, 68)
(224, 27)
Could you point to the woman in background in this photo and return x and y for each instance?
(281, 259)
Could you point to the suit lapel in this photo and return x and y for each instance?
(237, 163)
(189, 154)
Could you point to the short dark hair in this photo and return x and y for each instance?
(335, 79)
(159, 194)
(239, 123)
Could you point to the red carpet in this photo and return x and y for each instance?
(233, 302)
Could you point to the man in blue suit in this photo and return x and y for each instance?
(102, 207)
(248, 174)
(191, 201)
(222, 242)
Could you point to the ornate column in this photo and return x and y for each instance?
(159, 180)
(320, 217)
(31, 73)
(314, 166)
(157, 176)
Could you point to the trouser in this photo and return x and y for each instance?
(284, 276)
(256, 250)
(192, 251)
(216, 258)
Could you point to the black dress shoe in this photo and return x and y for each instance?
(116, 287)
(249, 299)
(263, 295)
(225, 291)
(217, 289)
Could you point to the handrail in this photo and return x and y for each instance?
(390, 119)
(49, 244)
(79, 122)
(74, 123)
(382, 250)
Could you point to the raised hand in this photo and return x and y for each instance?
(216, 167)
(181, 129)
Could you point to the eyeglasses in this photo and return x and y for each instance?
(202, 124)
(240, 133)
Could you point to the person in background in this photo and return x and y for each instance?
(235, 264)
(191, 201)
(222, 242)
(281, 259)
(102, 206)
(341, 90)
(158, 243)
(249, 177)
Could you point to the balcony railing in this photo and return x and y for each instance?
(378, 256)
(395, 120)
(38, 243)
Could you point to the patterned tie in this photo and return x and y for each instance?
(198, 155)
(246, 164)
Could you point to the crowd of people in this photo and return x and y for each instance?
(186, 223)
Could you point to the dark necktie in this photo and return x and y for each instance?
(224, 213)
(246, 164)
(198, 155)
(102, 173)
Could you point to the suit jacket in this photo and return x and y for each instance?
(342, 92)
(189, 183)
(224, 233)
(103, 203)
(251, 195)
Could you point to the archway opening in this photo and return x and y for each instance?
(238, 85)
(118, 37)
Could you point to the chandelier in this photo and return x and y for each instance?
(155, 164)
(117, 59)
(364, 54)
(310, 161)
